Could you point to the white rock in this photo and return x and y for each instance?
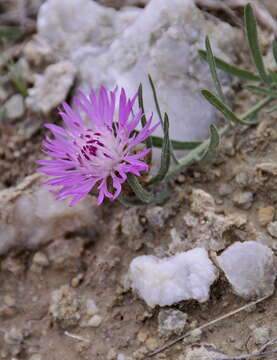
(121, 48)
(68, 25)
(94, 321)
(51, 88)
(91, 307)
(40, 259)
(250, 268)
(272, 228)
(171, 322)
(184, 276)
(201, 353)
(30, 215)
(15, 107)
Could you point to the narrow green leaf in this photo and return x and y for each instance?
(148, 140)
(2, 113)
(159, 198)
(165, 155)
(273, 108)
(141, 106)
(211, 62)
(19, 84)
(157, 142)
(262, 91)
(274, 49)
(210, 152)
(273, 76)
(252, 36)
(129, 201)
(142, 194)
(252, 112)
(160, 114)
(155, 98)
(231, 69)
(224, 109)
(10, 32)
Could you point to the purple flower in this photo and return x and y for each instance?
(98, 153)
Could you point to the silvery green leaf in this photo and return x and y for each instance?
(224, 109)
(10, 32)
(274, 49)
(252, 36)
(160, 115)
(142, 194)
(155, 98)
(273, 108)
(158, 199)
(210, 152)
(273, 77)
(165, 155)
(211, 62)
(262, 91)
(231, 69)
(148, 141)
(129, 201)
(177, 145)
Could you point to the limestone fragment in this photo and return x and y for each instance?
(14, 107)
(243, 199)
(272, 229)
(65, 306)
(40, 259)
(45, 219)
(156, 216)
(51, 88)
(250, 268)
(201, 353)
(265, 215)
(171, 322)
(93, 37)
(166, 281)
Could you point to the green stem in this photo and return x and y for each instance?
(195, 153)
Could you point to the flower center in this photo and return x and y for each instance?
(99, 151)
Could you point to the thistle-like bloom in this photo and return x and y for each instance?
(99, 153)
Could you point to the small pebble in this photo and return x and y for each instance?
(181, 179)
(265, 215)
(40, 259)
(13, 336)
(243, 200)
(75, 282)
(242, 178)
(15, 107)
(194, 337)
(272, 229)
(142, 336)
(36, 357)
(151, 344)
(95, 321)
(9, 300)
(111, 354)
(260, 334)
(171, 322)
(92, 308)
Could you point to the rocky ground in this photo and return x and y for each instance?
(65, 290)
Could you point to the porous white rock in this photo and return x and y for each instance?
(250, 268)
(30, 215)
(15, 107)
(120, 48)
(51, 88)
(171, 322)
(166, 281)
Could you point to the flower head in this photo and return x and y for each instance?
(99, 154)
